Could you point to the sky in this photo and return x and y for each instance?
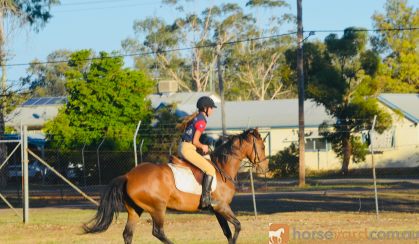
(101, 25)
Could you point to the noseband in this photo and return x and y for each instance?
(257, 158)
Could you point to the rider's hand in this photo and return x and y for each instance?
(205, 149)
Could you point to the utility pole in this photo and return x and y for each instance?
(221, 89)
(300, 75)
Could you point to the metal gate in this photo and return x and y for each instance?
(22, 143)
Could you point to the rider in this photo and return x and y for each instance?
(194, 125)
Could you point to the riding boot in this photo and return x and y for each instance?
(206, 192)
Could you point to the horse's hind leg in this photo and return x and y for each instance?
(158, 222)
(134, 213)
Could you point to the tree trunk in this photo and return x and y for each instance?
(347, 151)
(3, 147)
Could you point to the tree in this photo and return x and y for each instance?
(341, 75)
(255, 69)
(212, 30)
(105, 101)
(401, 63)
(34, 13)
(48, 79)
(162, 138)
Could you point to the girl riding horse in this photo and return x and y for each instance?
(151, 187)
(194, 127)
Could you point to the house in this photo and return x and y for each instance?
(278, 121)
(34, 113)
(399, 145)
(185, 101)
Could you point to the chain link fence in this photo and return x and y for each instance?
(91, 169)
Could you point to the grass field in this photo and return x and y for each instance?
(63, 225)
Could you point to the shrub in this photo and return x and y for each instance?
(285, 162)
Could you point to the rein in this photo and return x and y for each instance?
(223, 174)
(226, 176)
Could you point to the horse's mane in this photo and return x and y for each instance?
(228, 147)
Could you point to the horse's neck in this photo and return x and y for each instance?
(232, 164)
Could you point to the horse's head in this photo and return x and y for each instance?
(255, 149)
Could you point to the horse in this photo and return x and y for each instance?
(151, 187)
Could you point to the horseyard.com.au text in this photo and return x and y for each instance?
(282, 233)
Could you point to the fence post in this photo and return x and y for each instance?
(253, 190)
(373, 164)
(135, 143)
(84, 165)
(25, 176)
(141, 150)
(98, 162)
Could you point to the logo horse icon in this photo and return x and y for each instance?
(278, 234)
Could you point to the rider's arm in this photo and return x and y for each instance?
(196, 141)
(200, 127)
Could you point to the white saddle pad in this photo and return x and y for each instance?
(185, 180)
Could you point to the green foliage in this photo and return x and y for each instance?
(285, 162)
(48, 79)
(105, 100)
(162, 138)
(267, 3)
(342, 76)
(35, 12)
(359, 149)
(401, 69)
(10, 130)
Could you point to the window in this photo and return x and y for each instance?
(317, 144)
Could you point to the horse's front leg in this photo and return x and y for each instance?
(224, 225)
(225, 211)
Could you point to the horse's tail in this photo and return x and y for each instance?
(111, 201)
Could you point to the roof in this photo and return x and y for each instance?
(408, 104)
(268, 114)
(186, 101)
(37, 101)
(35, 112)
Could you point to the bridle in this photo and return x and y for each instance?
(256, 161)
(256, 153)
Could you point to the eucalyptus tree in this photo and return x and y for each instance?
(400, 47)
(214, 31)
(256, 68)
(341, 75)
(48, 79)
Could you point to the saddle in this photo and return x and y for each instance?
(197, 172)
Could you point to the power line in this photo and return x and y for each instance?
(157, 52)
(108, 7)
(93, 2)
(213, 45)
(367, 30)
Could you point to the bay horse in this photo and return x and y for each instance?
(151, 187)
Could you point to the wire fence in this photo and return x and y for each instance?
(92, 168)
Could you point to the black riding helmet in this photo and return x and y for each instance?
(205, 102)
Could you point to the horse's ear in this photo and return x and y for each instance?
(256, 133)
